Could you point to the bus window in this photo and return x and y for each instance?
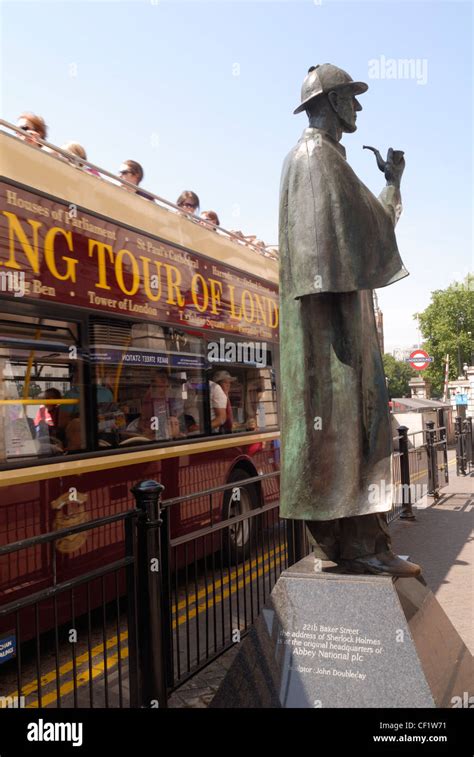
(151, 382)
(41, 389)
(244, 397)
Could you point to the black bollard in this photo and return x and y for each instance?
(467, 434)
(431, 449)
(407, 510)
(460, 451)
(152, 664)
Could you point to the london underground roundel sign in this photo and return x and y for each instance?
(419, 360)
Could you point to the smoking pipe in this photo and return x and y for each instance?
(393, 157)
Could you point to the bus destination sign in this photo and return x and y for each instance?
(75, 258)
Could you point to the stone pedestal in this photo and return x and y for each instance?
(338, 640)
(420, 388)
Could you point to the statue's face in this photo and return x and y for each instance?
(346, 106)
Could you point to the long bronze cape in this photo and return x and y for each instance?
(336, 244)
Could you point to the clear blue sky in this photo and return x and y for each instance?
(156, 82)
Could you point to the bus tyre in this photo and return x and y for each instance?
(238, 501)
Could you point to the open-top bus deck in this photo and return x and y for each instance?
(116, 312)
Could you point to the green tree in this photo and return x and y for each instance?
(398, 374)
(447, 326)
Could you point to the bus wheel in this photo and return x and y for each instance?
(239, 500)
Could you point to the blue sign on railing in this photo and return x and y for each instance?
(7, 647)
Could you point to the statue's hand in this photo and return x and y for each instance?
(394, 167)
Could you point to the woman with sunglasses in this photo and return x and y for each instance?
(189, 202)
(33, 127)
(132, 172)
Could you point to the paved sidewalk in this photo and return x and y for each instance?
(440, 539)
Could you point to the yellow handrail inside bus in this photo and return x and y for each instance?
(118, 372)
(39, 402)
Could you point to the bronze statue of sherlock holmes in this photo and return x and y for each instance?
(337, 244)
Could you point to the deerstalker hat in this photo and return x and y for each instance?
(325, 78)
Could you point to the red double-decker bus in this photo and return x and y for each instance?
(123, 324)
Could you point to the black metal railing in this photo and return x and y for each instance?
(73, 642)
(420, 468)
(129, 633)
(216, 579)
(221, 575)
(437, 452)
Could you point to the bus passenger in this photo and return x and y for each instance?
(67, 413)
(221, 409)
(74, 435)
(111, 414)
(157, 419)
(76, 149)
(132, 172)
(34, 126)
(191, 411)
(188, 202)
(46, 419)
(255, 388)
(211, 217)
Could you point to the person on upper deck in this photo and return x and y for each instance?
(211, 217)
(132, 172)
(188, 202)
(34, 126)
(76, 149)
